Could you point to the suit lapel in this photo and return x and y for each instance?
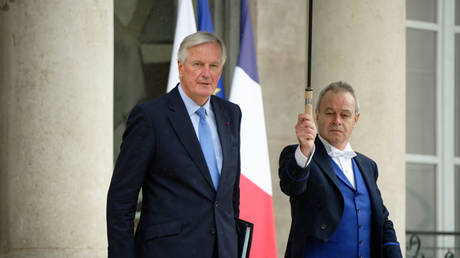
(322, 159)
(366, 172)
(223, 129)
(180, 121)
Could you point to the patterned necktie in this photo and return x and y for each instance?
(207, 146)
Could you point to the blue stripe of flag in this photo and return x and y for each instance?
(247, 55)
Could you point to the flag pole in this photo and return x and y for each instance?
(308, 89)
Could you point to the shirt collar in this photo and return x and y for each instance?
(191, 105)
(335, 153)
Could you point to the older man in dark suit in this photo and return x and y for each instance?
(182, 149)
(336, 207)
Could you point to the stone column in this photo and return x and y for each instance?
(56, 127)
(361, 42)
(281, 55)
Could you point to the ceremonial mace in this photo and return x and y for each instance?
(308, 89)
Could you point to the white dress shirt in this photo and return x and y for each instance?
(192, 107)
(341, 158)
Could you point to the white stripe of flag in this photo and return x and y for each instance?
(185, 26)
(256, 201)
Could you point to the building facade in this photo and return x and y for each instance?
(70, 71)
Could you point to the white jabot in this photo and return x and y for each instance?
(347, 154)
(342, 158)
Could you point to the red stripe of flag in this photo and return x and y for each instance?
(256, 206)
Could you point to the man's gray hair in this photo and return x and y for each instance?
(199, 38)
(338, 87)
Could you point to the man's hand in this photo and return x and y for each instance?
(305, 130)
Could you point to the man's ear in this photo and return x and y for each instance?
(356, 118)
(179, 67)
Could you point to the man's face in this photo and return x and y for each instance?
(336, 118)
(201, 71)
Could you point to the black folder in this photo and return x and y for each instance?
(245, 230)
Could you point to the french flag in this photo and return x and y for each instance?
(256, 201)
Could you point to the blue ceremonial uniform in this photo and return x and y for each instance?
(352, 236)
(329, 217)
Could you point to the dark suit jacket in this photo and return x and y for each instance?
(182, 215)
(317, 202)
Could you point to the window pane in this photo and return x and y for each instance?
(421, 205)
(457, 12)
(421, 92)
(421, 10)
(143, 36)
(457, 94)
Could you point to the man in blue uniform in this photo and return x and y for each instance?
(336, 207)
